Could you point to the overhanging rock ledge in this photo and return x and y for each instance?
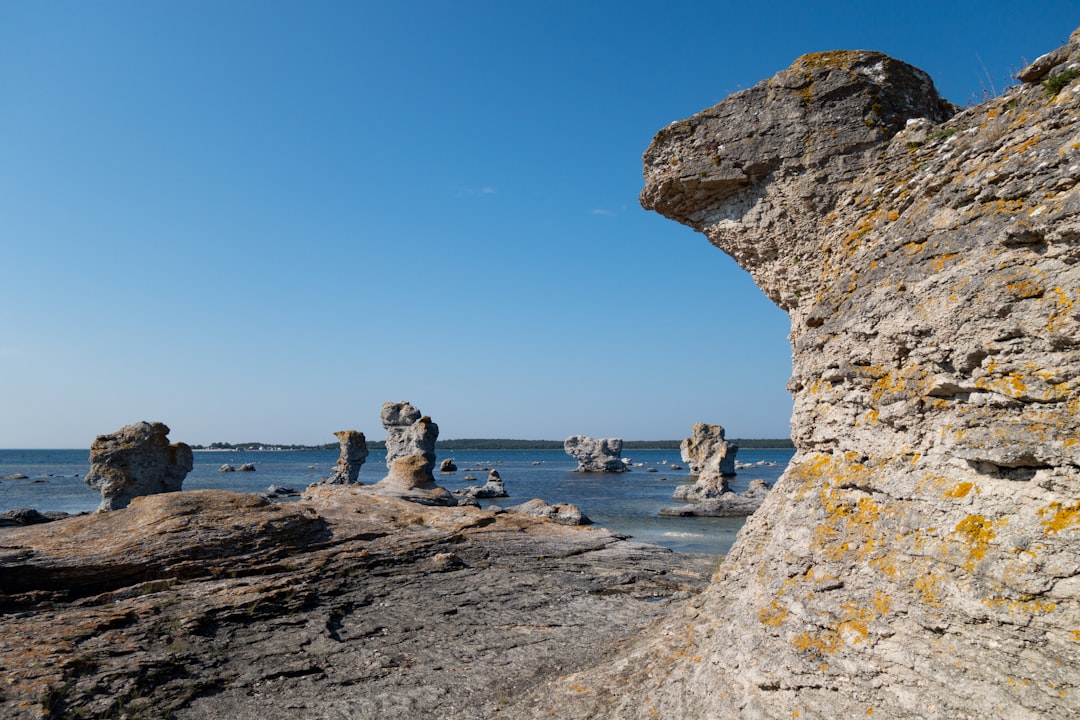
(921, 556)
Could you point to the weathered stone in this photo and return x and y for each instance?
(493, 488)
(226, 468)
(706, 450)
(447, 466)
(136, 460)
(399, 414)
(210, 604)
(247, 467)
(407, 432)
(710, 484)
(561, 513)
(920, 557)
(720, 504)
(353, 452)
(596, 455)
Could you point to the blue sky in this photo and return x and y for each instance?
(261, 220)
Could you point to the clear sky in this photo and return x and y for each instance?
(261, 220)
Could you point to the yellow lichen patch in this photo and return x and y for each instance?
(941, 260)
(959, 490)
(773, 615)
(1063, 307)
(929, 587)
(1057, 518)
(975, 534)
(1075, 635)
(1024, 289)
(1025, 606)
(827, 642)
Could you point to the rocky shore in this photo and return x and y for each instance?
(210, 604)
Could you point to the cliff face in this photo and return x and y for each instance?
(921, 556)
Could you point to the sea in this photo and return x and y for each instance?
(628, 503)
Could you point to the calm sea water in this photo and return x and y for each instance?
(627, 503)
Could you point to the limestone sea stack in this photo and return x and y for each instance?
(603, 455)
(707, 450)
(410, 456)
(920, 557)
(353, 452)
(136, 460)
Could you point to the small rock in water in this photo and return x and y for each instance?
(226, 468)
(247, 467)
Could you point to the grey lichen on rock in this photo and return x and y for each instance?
(921, 555)
(136, 460)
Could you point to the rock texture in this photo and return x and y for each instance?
(596, 455)
(354, 451)
(136, 460)
(493, 488)
(562, 513)
(706, 450)
(705, 502)
(210, 604)
(921, 555)
(410, 455)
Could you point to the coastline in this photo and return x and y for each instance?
(215, 604)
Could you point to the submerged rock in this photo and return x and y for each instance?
(136, 460)
(493, 488)
(601, 455)
(721, 504)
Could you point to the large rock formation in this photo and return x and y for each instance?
(353, 452)
(602, 455)
(706, 450)
(921, 555)
(410, 455)
(136, 460)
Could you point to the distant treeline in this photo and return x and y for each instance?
(501, 444)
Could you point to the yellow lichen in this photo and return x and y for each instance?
(959, 490)
(1056, 518)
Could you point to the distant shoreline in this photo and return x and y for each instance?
(499, 444)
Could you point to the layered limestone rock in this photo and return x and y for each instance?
(921, 555)
(136, 460)
(603, 455)
(354, 451)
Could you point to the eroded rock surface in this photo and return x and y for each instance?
(602, 455)
(706, 450)
(410, 455)
(210, 604)
(921, 555)
(136, 460)
(353, 452)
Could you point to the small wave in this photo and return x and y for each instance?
(684, 534)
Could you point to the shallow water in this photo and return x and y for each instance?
(627, 502)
